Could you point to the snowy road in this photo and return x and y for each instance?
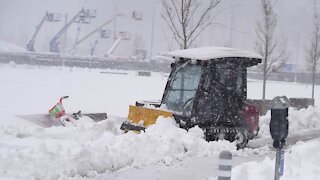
(198, 168)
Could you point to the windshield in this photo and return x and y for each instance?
(182, 87)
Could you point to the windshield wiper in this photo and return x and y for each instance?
(171, 89)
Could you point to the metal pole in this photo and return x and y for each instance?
(281, 162)
(297, 59)
(231, 29)
(65, 34)
(277, 167)
(152, 31)
(97, 29)
(115, 22)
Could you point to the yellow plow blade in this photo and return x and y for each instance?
(148, 116)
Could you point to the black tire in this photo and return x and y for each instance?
(241, 139)
(210, 137)
(253, 134)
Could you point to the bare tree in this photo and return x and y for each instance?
(187, 19)
(267, 46)
(314, 49)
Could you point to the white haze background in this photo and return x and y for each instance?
(100, 150)
(234, 25)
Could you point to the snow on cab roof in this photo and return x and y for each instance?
(207, 53)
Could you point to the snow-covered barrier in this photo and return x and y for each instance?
(47, 59)
(265, 105)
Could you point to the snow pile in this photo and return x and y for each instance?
(299, 120)
(304, 119)
(92, 148)
(299, 164)
(8, 47)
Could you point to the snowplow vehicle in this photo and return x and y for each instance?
(207, 87)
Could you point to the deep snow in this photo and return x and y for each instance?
(102, 151)
(299, 164)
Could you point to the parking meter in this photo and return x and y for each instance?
(279, 120)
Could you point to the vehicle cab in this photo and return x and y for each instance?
(208, 87)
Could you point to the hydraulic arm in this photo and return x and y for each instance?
(94, 31)
(51, 17)
(54, 43)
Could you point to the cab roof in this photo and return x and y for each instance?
(210, 53)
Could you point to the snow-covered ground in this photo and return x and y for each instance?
(8, 47)
(299, 164)
(101, 151)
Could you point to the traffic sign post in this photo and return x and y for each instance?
(279, 126)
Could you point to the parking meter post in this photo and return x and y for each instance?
(277, 166)
(279, 127)
(281, 162)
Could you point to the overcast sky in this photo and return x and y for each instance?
(18, 19)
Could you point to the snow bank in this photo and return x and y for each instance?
(51, 153)
(299, 120)
(299, 164)
(94, 148)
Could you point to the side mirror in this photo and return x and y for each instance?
(172, 65)
(279, 124)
